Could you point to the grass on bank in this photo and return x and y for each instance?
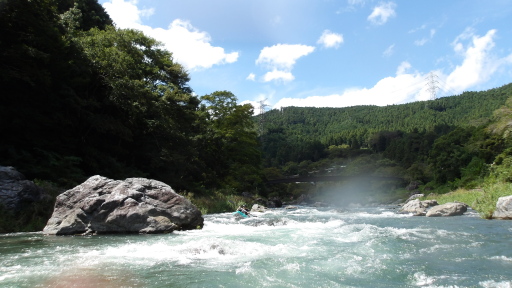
(482, 200)
(219, 201)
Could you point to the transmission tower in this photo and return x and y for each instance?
(432, 85)
(262, 107)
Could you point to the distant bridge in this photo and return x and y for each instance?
(314, 179)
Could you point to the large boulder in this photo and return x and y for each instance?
(503, 208)
(447, 209)
(135, 205)
(417, 207)
(16, 190)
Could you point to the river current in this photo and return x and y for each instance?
(304, 247)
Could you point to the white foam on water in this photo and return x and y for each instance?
(209, 251)
(383, 214)
(494, 284)
(245, 268)
(294, 267)
(450, 234)
(501, 258)
(437, 247)
(365, 232)
(422, 279)
(9, 272)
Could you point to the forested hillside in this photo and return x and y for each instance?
(302, 133)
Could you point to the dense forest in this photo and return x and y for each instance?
(365, 126)
(82, 97)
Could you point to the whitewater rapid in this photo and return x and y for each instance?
(303, 247)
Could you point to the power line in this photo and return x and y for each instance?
(446, 89)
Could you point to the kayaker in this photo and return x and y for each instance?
(243, 209)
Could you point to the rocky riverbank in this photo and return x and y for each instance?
(430, 208)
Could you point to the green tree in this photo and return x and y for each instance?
(449, 155)
(84, 14)
(231, 148)
(148, 115)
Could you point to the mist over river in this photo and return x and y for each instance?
(304, 247)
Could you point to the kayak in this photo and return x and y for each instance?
(239, 213)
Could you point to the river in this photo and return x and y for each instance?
(304, 247)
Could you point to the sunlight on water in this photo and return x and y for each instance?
(305, 247)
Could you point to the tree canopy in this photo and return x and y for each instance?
(87, 98)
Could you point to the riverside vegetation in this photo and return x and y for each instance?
(84, 98)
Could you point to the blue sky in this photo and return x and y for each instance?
(328, 53)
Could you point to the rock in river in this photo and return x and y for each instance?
(135, 205)
(417, 207)
(448, 209)
(503, 208)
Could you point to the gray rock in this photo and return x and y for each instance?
(414, 196)
(16, 190)
(503, 208)
(258, 208)
(135, 205)
(417, 207)
(447, 209)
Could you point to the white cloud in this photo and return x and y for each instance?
(251, 77)
(421, 42)
(404, 66)
(330, 39)
(389, 51)
(402, 88)
(283, 56)
(381, 14)
(190, 46)
(276, 75)
(390, 90)
(478, 65)
(280, 59)
(124, 13)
